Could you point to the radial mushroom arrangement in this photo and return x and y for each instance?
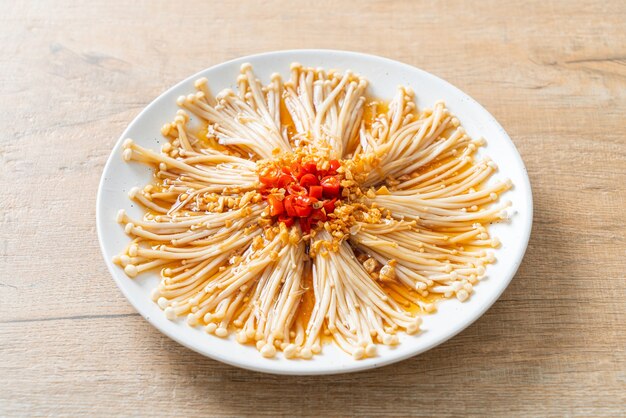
(301, 212)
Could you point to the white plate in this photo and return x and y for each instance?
(384, 76)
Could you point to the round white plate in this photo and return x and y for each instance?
(384, 76)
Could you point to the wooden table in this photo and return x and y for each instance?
(74, 74)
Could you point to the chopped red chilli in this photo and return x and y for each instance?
(301, 192)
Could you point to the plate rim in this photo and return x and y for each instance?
(268, 367)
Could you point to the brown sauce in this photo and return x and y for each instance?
(307, 301)
(209, 141)
(372, 108)
(286, 121)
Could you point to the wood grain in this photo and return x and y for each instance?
(74, 74)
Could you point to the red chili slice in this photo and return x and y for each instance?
(309, 180)
(289, 207)
(302, 206)
(305, 225)
(331, 186)
(329, 206)
(297, 171)
(309, 200)
(303, 211)
(283, 181)
(265, 189)
(270, 178)
(316, 191)
(317, 215)
(296, 190)
(310, 167)
(287, 220)
(276, 205)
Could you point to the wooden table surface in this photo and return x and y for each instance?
(74, 74)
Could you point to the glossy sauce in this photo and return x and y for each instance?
(307, 301)
(372, 109)
(209, 141)
(286, 121)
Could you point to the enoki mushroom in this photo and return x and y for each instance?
(299, 212)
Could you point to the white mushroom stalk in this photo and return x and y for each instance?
(351, 306)
(455, 197)
(250, 121)
(426, 261)
(209, 173)
(288, 215)
(404, 140)
(326, 108)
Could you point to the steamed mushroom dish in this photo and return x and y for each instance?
(303, 212)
